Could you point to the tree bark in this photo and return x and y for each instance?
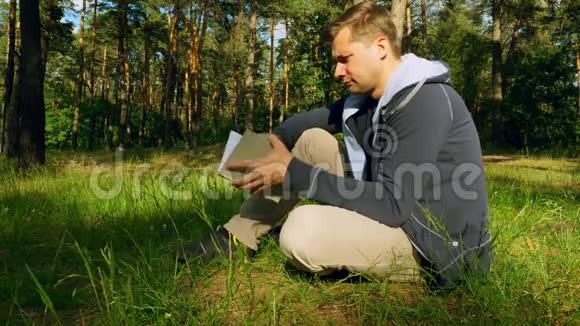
(286, 69)
(409, 29)
(398, 10)
(191, 109)
(199, 83)
(424, 28)
(105, 95)
(28, 120)
(75, 131)
(186, 88)
(216, 95)
(497, 94)
(46, 35)
(146, 73)
(9, 75)
(171, 78)
(578, 73)
(236, 96)
(249, 123)
(123, 73)
(507, 67)
(112, 115)
(197, 74)
(104, 81)
(272, 24)
(93, 119)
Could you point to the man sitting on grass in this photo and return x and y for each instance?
(411, 190)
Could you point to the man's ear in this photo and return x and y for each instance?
(383, 46)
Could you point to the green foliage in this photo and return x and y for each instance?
(461, 44)
(58, 128)
(542, 100)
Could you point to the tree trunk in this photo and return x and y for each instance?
(249, 123)
(236, 96)
(192, 123)
(196, 91)
(186, 76)
(112, 115)
(93, 118)
(75, 131)
(146, 72)
(28, 118)
(123, 73)
(424, 28)
(496, 72)
(199, 83)
(216, 99)
(409, 29)
(286, 69)
(398, 10)
(272, 23)
(46, 36)
(127, 79)
(17, 40)
(178, 100)
(576, 140)
(507, 67)
(171, 76)
(104, 75)
(578, 73)
(9, 75)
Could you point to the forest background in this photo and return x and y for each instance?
(117, 74)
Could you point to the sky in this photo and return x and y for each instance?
(75, 18)
(72, 16)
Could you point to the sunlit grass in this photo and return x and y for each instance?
(98, 246)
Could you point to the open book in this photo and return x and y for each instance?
(250, 146)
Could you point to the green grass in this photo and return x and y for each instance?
(70, 257)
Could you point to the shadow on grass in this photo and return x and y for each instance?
(70, 253)
(339, 276)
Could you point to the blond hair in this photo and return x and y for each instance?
(367, 21)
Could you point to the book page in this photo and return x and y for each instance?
(250, 146)
(233, 141)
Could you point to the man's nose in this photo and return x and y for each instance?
(339, 71)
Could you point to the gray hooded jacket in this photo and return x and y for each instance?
(413, 160)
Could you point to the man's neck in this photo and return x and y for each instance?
(389, 68)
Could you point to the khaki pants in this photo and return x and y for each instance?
(322, 239)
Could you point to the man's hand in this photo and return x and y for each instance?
(266, 172)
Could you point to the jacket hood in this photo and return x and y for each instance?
(412, 71)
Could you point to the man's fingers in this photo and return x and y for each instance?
(241, 165)
(250, 177)
(254, 185)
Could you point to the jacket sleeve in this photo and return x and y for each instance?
(328, 118)
(417, 132)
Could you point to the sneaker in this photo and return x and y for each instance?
(215, 244)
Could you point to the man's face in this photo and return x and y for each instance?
(357, 63)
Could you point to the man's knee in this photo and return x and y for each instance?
(313, 138)
(299, 234)
(318, 147)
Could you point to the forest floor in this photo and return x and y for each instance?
(88, 241)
